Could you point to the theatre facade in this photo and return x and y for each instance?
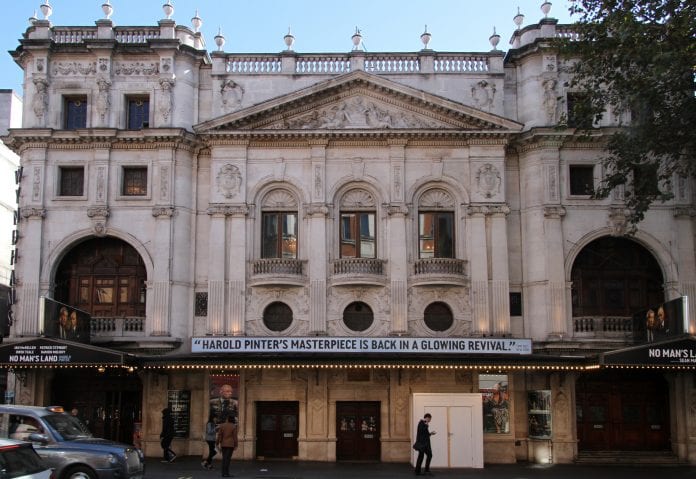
(329, 245)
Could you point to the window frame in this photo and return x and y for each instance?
(436, 234)
(134, 124)
(578, 166)
(68, 119)
(357, 238)
(123, 179)
(59, 182)
(280, 235)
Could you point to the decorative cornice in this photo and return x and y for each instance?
(218, 209)
(29, 213)
(163, 211)
(316, 209)
(688, 211)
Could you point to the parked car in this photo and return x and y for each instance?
(18, 460)
(66, 444)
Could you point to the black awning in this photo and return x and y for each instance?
(49, 352)
(673, 353)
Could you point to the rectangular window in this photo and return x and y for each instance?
(135, 181)
(138, 112)
(75, 114)
(358, 237)
(71, 181)
(515, 303)
(436, 235)
(279, 235)
(581, 180)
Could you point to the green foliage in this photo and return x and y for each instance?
(636, 60)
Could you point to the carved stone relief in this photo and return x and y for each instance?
(103, 97)
(279, 199)
(231, 95)
(357, 112)
(358, 198)
(229, 179)
(488, 180)
(99, 216)
(483, 94)
(40, 97)
(101, 184)
(550, 100)
(165, 101)
(259, 298)
(36, 184)
(74, 68)
(136, 68)
(436, 198)
(340, 298)
(457, 298)
(164, 182)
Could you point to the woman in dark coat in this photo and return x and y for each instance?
(167, 435)
(422, 445)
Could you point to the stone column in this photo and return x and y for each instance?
(317, 213)
(556, 292)
(27, 271)
(237, 270)
(500, 271)
(216, 271)
(478, 254)
(396, 231)
(161, 277)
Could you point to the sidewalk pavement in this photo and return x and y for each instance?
(189, 467)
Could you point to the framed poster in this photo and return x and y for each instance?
(179, 403)
(224, 397)
(539, 414)
(496, 403)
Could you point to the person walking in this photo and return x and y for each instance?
(422, 445)
(167, 435)
(210, 439)
(227, 440)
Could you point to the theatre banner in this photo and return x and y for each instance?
(662, 321)
(677, 351)
(360, 345)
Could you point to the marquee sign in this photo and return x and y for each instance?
(358, 345)
(51, 352)
(675, 352)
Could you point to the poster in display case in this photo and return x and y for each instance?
(539, 414)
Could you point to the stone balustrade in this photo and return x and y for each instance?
(603, 326)
(359, 266)
(446, 266)
(120, 326)
(276, 266)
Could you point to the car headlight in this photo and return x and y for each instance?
(112, 459)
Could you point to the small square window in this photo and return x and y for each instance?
(75, 114)
(72, 181)
(135, 181)
(581, 179)
(138, 112)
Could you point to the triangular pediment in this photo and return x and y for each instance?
(359, 101)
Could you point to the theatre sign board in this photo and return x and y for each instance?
(360, 345)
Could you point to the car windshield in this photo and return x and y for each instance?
(69, 427)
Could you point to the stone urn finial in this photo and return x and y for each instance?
(219, 39)
(107, 9)
(425, 38)
(494, 39)
(46, 10)
(289, 40)
(546, 8)
(196, 22)
(518, 19)
(357, 39)
(168, 9)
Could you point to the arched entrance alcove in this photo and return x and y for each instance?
(103, 276)
(106, 278)
(615, 277)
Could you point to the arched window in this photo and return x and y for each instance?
(438, 316)
(358, 226)
(436, 224)
(279, 225)
(358, 316)
(277, 316)
(615, 277)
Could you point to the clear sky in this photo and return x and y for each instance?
(321, 26)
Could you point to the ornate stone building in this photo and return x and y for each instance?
(347, 240)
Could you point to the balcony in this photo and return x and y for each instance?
(277, 272)
(439, 271)
(123, 328)
(358, 271)
(603, 327)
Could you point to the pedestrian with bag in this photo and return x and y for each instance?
(422, 445)
(210, 437)
(227, 440)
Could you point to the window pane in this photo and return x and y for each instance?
(348, 235)
(269, 246)
(135, 181)
(104, 291)
(581, 179)
(138, 112)
(445, 233)
(289, 235)
(75, 113)
(426, 235)
(367, 235)
(71, 181)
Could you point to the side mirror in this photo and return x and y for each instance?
(37, 437)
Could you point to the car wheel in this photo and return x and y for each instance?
(80, 472)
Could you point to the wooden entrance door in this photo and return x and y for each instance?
(357, 431)
(277, 428)
(622, 412)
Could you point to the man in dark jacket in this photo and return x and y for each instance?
(422, 445)
(167, 435)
